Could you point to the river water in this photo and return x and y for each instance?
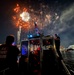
(68, 57)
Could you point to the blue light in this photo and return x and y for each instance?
(30, 35)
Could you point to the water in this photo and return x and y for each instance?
(68, 57)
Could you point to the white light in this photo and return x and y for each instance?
(25, 16)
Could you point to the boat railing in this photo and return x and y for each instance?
(4, 70)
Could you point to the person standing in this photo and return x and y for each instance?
(57, 44)
(8, 55)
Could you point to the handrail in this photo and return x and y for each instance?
(66, 69)
(4, 70)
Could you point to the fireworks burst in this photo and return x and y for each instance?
(21, 19)
(27, 16)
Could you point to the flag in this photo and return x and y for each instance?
(36, 29)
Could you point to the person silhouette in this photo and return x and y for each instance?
(9, 54)
(57, 44)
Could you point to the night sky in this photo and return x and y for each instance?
(63, 26)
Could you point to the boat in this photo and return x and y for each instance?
(42, 57)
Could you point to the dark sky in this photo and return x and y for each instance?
(64, 26)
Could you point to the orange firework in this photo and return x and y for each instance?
(18, 20)
(17, 9)
(41, 16)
